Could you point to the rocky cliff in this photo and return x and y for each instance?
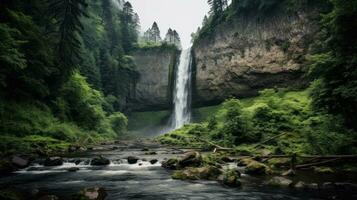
(250, 52)
(152, 91)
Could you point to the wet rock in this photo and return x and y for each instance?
(244, 162)
(49, 197)
(151, 153)
(312, 186)
(328, 186)
(190, 159)
(20, 162)
(53, 161)
(132, 159)
(280, 181)
(153, 161)
(145, 149)
(73, 169)
(231, 178)
(100, 161)
(202, 173)
(290, 172)
(171, 164)
(300, 185)
(140, 164)
(346, 186)
(257, 168)
(323, 170)
(279, 162)
(95, 193)
(114, 148)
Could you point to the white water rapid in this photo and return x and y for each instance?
(182, 91)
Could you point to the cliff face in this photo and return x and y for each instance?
(152, 91)
(249, 53)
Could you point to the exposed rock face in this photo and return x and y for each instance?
(250, 53)
(153, 89)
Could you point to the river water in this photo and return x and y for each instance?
(139, 181)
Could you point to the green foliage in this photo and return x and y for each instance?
(119, 122)
(334, 63)
(274, 112)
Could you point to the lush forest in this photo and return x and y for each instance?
(68, 82)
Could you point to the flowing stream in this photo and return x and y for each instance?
(142, 180)
(182, 91)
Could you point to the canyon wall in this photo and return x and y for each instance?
(251, 52)
(153, 89)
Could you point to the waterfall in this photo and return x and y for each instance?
(182, 91)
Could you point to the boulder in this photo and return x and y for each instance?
(244, 162)
(290, 172)
(49, 197)
(132, 159)
(153, 161)
(280, 181)
(100, 161)
(257, 168)
(94, 193)
(300, 185)
(231, 178)
(20, 162)
(190, 159)
(53, 161)
(171, 164)
(202, 173)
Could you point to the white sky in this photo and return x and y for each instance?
(183, 15)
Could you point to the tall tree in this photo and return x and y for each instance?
(335, 66)
(67, 15)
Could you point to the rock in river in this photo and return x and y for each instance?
(153, 161)
(20, 162)
(191, 159)
(98, 161)
(53, 161)
(95, 193)
(132, 159)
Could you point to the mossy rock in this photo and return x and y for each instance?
(231, 178)
(257, 168)
(245, 161)
(279, 162)
(323, 170)
(171, 163)
(201, 173)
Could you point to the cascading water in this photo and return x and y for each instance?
(182, 91)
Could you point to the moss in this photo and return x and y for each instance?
(257, 168)
(231, 178)
(323, 170)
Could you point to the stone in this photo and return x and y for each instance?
(132, 159)
(244, 162)
(171, 164)
(201, 173)
(280, 181)
(231, 178)
(190, 159)
(94, 193)
(145, 149)
(100, 161)
(53, 161)
(20, 162)
(290, 172)
(257, 168)
(300, 185)
(153, 161)
(151, 153)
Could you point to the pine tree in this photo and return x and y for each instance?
(67, 15)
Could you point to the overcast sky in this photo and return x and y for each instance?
(183, 15)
